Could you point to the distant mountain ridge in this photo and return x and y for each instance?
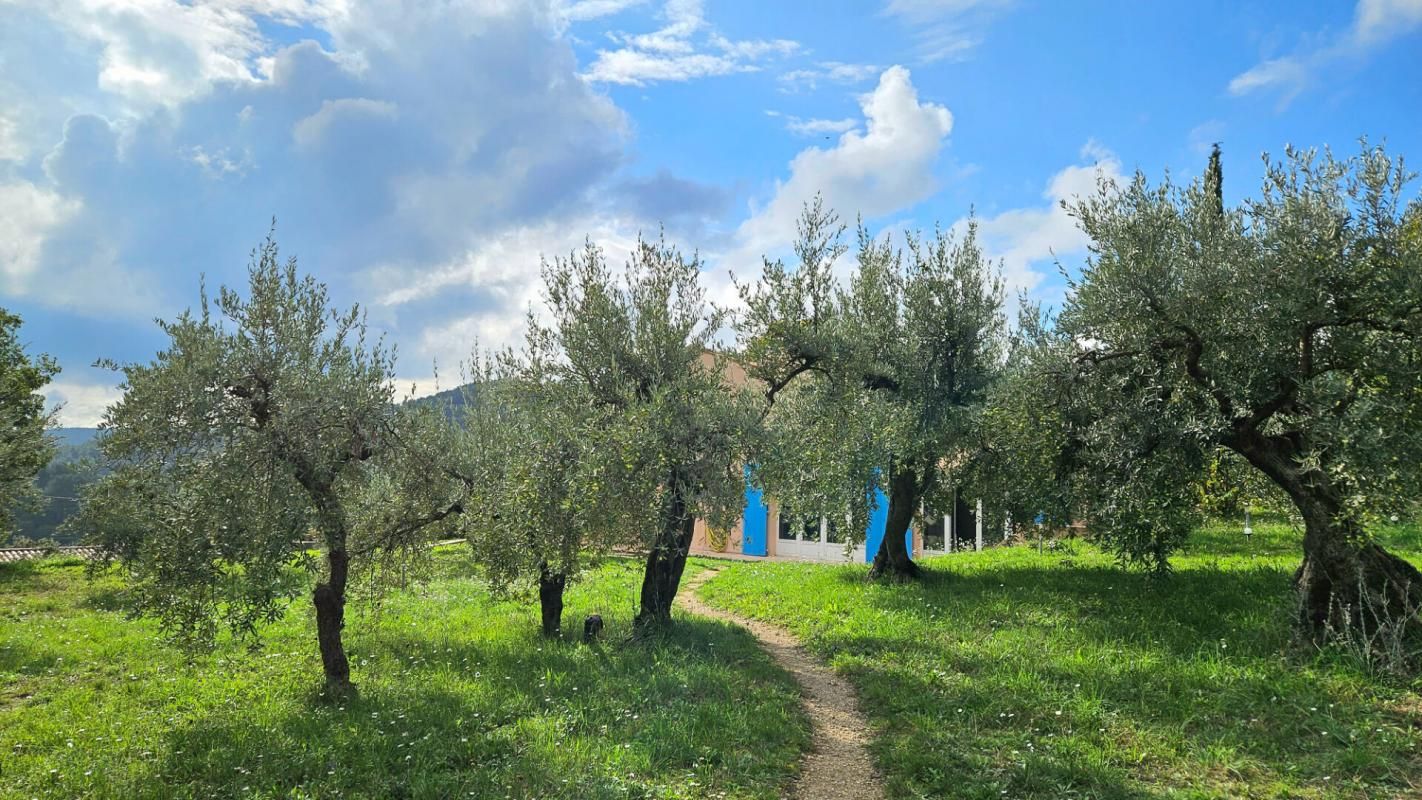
(75, 437)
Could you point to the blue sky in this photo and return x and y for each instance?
(420, 158)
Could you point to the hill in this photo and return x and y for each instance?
(74, 466)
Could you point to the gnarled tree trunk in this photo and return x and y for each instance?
(1348, 586)
(550, 599)
(892, 560)
(329, 598)
(665, 562)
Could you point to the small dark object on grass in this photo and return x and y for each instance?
(592, 626)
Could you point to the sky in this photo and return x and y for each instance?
(422, 157)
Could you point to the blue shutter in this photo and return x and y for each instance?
(754, 521)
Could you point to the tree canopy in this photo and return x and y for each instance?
(1285, 329)
(268, 420)
(25, 447)
(673, 436)
(542, 514)
(877, 383)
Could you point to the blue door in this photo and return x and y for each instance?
(753, 527)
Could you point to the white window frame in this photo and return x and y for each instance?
(819, 550)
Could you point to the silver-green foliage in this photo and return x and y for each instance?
(664, 436)
(883, 376)
(641, 346)
(536, 510)
(266, 422)
(1286, 329)
(24, 446)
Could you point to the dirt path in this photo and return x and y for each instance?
(838, 766)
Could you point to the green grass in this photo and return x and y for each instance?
(459, 697)
(1010, 673)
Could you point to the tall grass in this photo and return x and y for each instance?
(1010, 673)
(459, 697)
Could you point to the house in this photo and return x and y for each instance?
(765, 532)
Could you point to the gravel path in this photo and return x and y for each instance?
(838, 766)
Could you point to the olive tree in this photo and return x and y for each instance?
(877, 384)
(538, 519)
(1287, 330)
(267, 420)
(25, 448)
(671, 436)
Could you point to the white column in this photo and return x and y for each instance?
(980, 524)
(950, 522)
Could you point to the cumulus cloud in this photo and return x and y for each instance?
(684, 48)
(1026, 239)
(666, 199)
(27, 214)
(80, 405)
(883, 169)
(1376, 23)
(309, 131)
(164, 53)
(11, 148)
(361, 151)
(496, 284)
(391, 175)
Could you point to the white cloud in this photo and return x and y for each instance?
(1024, 238)
(836, 72)
(81, 405)
(11, 148)
(27, 215)
(583, 10)
(683, 49)
(639, 68)
(503, 272)
(164, 52)
(309, 131)
(1376, 23)
(816, 127)
(1289, 74)
(364, 148)
(947, 29)
(884, 169)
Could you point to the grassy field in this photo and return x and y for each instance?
(1010, 673)
(459, 697)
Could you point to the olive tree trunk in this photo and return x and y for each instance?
(1348, 587)
(329, 598)
(550, 599)
(665, 562)
(892, 560)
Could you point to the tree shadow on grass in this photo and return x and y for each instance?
(26, 658)
(1175, 612)
(522, 717)
(1047, 681)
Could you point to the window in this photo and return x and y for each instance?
(935, 533)
(798, 529)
